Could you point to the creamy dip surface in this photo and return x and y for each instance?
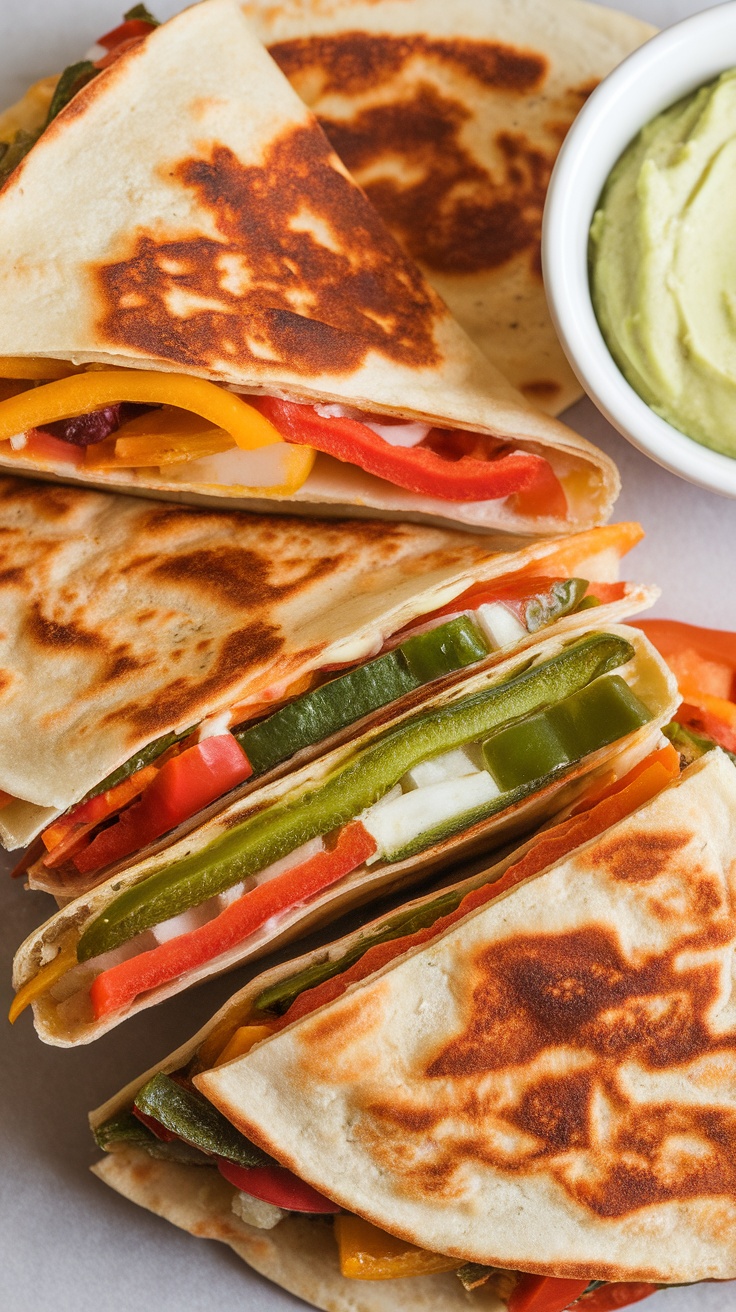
(663, 264)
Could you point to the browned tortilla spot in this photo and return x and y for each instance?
(302, 274)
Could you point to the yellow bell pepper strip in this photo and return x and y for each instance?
(37, 369)
(367, 1253)
(244, 1038)
(30, 112)
(157, 438)
(69, 397)
(42, 982)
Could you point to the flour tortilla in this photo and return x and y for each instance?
(225, 239)
(550, 1084)
(126, 619)
(58, 1015)
(300, 1254)
(451, 116)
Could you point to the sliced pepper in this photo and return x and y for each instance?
(89, 814)
(545, 1294)
(160, 437)
(244, 1038)
(574, 727)
(47, 976)
(367, 1253)
(275, 1184)
(418, 468)
(359, 783)
(608, 1298)
(68, 397)
(35, 368)
(188, 1114)
(117, 987)
(181, 787)
(325, 710)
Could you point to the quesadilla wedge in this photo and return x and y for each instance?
(530, 1071)
(226, 274)
(148, 647)
(451, 116)
(487, 757)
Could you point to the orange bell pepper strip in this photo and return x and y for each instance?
(159, 437)
(82, 393)
(42, 981)
(87, 815)
(119, 985)
(367, 1253)
(35, 368)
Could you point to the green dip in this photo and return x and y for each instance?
(663, 264)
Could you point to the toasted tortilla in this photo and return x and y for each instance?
(293, 286)
(127, 619)
(451, 116)
(63, 1017)
(300, 1254)
(549, 1085)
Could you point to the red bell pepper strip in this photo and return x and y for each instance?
(418, 468)
(62, 834)
(277, 1185)
(611, 1297)
(545, 1294)
(116, 987)
(184, 785)
(121, 48)
(132, 27)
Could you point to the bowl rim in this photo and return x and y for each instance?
(577, 180)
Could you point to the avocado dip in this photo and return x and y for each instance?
(663, 264)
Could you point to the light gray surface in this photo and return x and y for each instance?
(66, 1242)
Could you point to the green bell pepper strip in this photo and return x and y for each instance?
(595, 716)
(187, 1113)
(564, 596)
(278, 830)
(125, 1129)
(324, 711)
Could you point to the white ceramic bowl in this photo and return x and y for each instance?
(671, 65)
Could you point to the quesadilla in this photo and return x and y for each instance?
(451, 116)
(226, 274)
(147, 649)
(531, 1071)
(488, 755)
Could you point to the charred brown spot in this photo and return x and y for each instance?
(641, 857)
(188, 698)
(543, 390)
(357, 61)
(537, 997)
(302, 273)
(452, 208)
(57, 634)
(48, 502)
(238, 576)
(11, 577)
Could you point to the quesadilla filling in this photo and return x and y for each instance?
(436, 776)
(170, 1118)
(177, 775)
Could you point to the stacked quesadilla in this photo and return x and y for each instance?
(487, 755)
(532, 1071)
(451, 116)
(224, 316)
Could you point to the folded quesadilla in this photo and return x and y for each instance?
(222, 315)
(487, 756)
(531, 1071)
(451, 116)
(154, 658)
